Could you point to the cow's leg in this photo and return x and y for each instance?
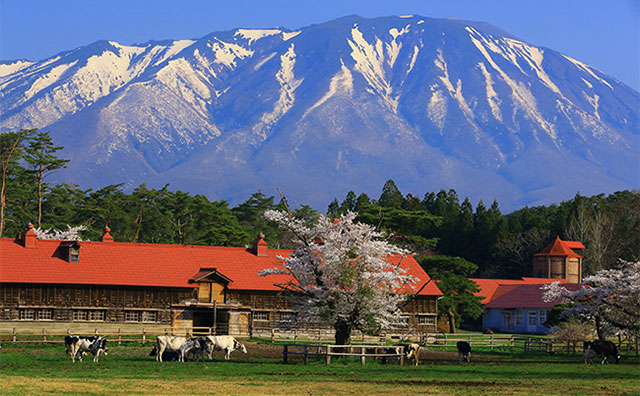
(227, 353)
(160, 352)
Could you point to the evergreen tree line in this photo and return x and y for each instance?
(501, 246)
(438, 224)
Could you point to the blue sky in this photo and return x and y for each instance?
(602, 33)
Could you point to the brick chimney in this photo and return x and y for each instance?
(29, 238)
(260, 246)
(106, 237)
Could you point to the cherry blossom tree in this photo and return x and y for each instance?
(342, 274)
(71, 234)
(611, 298)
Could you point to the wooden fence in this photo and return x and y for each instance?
(550, 345)
(444, 340)
(327, 351)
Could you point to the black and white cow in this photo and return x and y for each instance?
(464, 351)
(411, 351)
(606, 349)
(200, 348)
(77, 346)
(224, 343)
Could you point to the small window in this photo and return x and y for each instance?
(45, 314)
(519, 317)
(74, 256)
(533, 318)
(80, 316)
(149, 316)
(27, 314)
(131, 316)
(543, 316)
(426, 320)
(262, 316)
(96, 316)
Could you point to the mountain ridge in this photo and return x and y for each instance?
(346, 104)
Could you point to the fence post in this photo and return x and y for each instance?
(306, 355)
(14, 338)
(44, 335)
(362, 357)
(272, 335)
(512, 341)
(445, 340)
(144, 336)
(119, 336)
(491, 341)
(95, 331)
(285, 352)
(328, 354)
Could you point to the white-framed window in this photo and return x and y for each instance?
(427, 320)
(519, 317)
(131, 316)
(543, 315)
(27, 314)
(80, 315)
(262, 316)
(508, 318)
(45, 314)
(96, 316)
(532, 318)
(149, 316)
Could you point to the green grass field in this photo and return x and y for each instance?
(128, 370)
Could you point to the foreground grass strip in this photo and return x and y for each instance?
(129, 370)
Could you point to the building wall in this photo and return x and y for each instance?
(77, 303)
(525, 320)
(156, 305)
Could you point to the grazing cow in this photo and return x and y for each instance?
(200, 349)
(224, 343)
(408, 350)
(190, 345)
(167, 356)
(464, 351)
(170, 344)
(606, 349)
(77, 346)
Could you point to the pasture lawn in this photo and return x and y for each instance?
(128, 370)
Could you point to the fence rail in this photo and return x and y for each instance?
(327, 351)
(551, 345)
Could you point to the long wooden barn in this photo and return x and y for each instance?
(181, 287)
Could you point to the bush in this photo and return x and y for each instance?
(573, 330)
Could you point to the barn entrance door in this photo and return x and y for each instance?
(202, 321)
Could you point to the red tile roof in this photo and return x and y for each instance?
(140, 264)
(561, 248)
(490, 288)
(523, 296)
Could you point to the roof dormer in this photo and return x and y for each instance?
(70, 251)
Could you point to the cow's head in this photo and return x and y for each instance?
(102, 344)
(239, 346)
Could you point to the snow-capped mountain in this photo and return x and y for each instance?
(347, 104)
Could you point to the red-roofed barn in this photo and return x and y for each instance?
(158, 285)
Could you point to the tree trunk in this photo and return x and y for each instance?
(343, 333)
(599, 328)
(452, 321)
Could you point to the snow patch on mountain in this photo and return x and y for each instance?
(340, 82)
(437, 108)
(227, 53)
(492, 96)
(369, 60)
(13, 67)
(288, 85)
(520, 94)
(416, 50)
(286, 36)
(46, 80)
(263, 61)
(256, 34)
(587, 69)
(173, 50)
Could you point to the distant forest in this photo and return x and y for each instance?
(438, 223)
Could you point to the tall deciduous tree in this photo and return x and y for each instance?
(11, 151)
(610, 298)
(40, 155)
(341, 275)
